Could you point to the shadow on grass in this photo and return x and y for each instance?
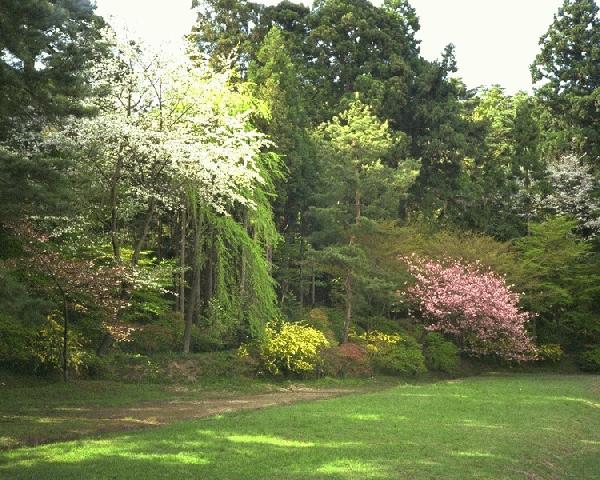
(475, 429)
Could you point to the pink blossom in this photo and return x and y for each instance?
(474, 306)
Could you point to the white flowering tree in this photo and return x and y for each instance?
(170, 136)
(573, 193)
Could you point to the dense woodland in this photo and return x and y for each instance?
(297, 181)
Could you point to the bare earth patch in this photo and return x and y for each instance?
(69, 423)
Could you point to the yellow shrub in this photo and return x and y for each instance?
(295, 348)
(374, 341)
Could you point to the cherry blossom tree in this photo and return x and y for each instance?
(473, 305)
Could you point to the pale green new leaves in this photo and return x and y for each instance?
(356, 136)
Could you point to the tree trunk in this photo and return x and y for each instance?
(528, 205)
(107, 342)
(301, 275)
(114, 214)
(348, 318)
(65, 346)
(146, 227)
(159, 239)
(313, 287)
(284, 289)
(189, 314)
(195, 289)
(357, 199)
(243, 253)
(357, 206)
(210, 268)
(269, 257)
(182, 262)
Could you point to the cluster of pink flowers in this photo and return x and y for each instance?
(473, 305)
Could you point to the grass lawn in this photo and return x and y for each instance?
(34, 410)
(518, 426)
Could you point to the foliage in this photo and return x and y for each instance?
(573, 193)
(404, 357)
(293, 349)
(47, 349)
(346, 360)
(441, 355)
(589, 360)
(319, 318)
(77, 280)
(561, 273)
(38, 348)
(550, 352)
(16, 349)
(154, 338)
(46, 50)
(375, 341)
(172, 368)
(567, 70)
(476, 307)
(43, 68)
(287, 160)
(501, 180)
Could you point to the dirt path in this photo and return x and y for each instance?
(83, 422)
(165, 412)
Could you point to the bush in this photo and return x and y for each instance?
(404, 357)
(590, 361)
(39, 350)
(346, 360)
(441, 355)
(47, 348)
(319, 319)
(16, 349)
(153, 338)
(294, 349)
(550, 352)
(374, 340)
(474, 305)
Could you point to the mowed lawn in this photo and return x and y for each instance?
(517, 426)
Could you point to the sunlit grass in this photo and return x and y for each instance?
(517, 427)
(35, 410)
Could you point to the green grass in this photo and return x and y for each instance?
(519, 426)
(34, 410)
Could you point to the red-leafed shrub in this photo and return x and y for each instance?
(346, 360)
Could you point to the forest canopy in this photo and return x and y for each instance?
(267, 185)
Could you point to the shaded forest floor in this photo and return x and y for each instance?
(35, 411)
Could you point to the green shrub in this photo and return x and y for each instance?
(346, 360)
(441, 355)
(374, 340)
(48, 346)
(589, 361)
(293, 349)
(39, 349)
(404, 358)
(153, 338)
(550, 352)
(318, 318)
(16, 348)
(207, 339)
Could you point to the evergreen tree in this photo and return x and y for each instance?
(568, 71)
(352, 145)
(47, 48)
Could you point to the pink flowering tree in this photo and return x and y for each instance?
(474, 306)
